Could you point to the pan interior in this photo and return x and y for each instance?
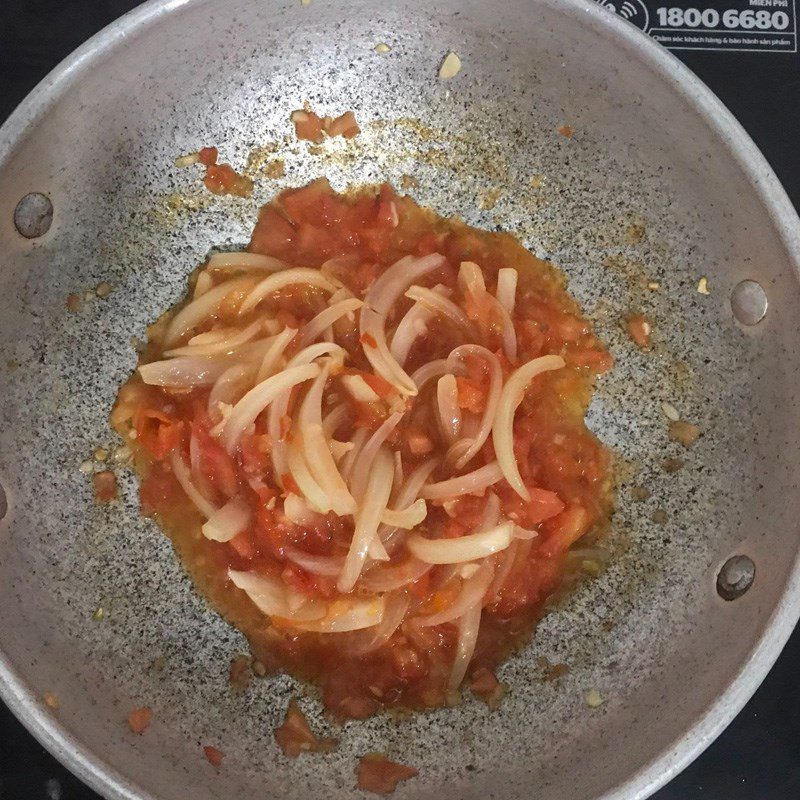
(647, 191)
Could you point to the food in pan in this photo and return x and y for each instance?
(365, 436)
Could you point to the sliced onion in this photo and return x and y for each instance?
(440, 304)
(447, 404)
(280, 280)
(378, 355)
(205, 306)
(471, 594)
(269, 596)
(244, 260)
(468, 627)
(503, 570)
(359, 389)
(334, 419)
(183, 373)
(491, 513)
(296, 510)
(367, 455)
(410, 328)
(259, 397)
(389, 287)
(330, 566)
(503, 426)
(347, 615)
(229, 386)
(470, 278)
(317, 326)
(408, 494)
(316, 496)
(316, 450)
(486, 475)
(507, 288)
(464, 548)
(308, 354)
(226, 343)
(203, 283)
(399, 477)
(272, 357)
(524, 533)
(233, 518)
(406, 518)
(397, 605)
(277, 411)
(509, 333)
(492, 399)
(339, 449)
(382, 295)
(368, 517)
(359, 440)
(184, 478)
(387, 579)
(427, 372)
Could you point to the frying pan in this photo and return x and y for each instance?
(657, 186)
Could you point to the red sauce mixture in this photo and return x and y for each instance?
(357, 236)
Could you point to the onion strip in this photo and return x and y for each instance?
(465, 548)
(492, 399)
(507, 288)
(503, 426)
(472, 593)
(184, 478)
(244, 260)
(280, 280)
(230, 520)
(203, 307)
(368, 518)
(258, 398)
(476, 481)
(316, 327)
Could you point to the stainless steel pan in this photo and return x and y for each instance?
(657, 185)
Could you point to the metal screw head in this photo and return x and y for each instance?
(33, 215)
(735, 577)
(749, 302)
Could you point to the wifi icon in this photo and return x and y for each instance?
(634, 11)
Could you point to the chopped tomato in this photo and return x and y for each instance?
(470, 396)
(639, 329)
(217, 464)
(368, 340)
(243, 546)
(379, 385)
(543, 504)
(139, 719)
(105, 487)
(379, 775)
(156, 431)
(295, 736)
(565, 530)
(213, 755)
(485, 685)
(208, 156)
(223, 179)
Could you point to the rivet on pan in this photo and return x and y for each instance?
(33, 215)
(735, 577)
(3, 502)
(749, 302)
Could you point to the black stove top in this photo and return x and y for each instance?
(745, 50)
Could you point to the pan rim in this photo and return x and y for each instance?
(100, 775)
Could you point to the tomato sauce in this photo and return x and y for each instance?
(565, 467)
